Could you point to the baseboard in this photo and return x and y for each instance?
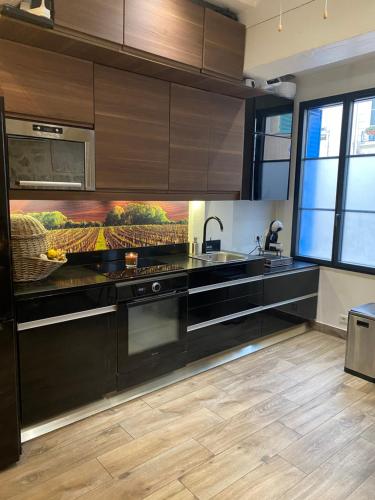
(329, 330)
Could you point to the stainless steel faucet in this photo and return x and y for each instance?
(205, 231)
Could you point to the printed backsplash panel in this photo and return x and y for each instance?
(87, 226)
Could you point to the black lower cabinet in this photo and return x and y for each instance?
(290, 286)
(287, 316)
(66, 365)
(9, 422)
(226, 335)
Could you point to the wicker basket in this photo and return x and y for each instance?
(29, 241)
(34, 268)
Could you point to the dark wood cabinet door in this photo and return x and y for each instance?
(99, 18)
(224, 45)
(132, 130)
(168, 28)
(226, 143)
(45, 85)
(189, 139)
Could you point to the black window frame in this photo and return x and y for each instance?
(347, 100)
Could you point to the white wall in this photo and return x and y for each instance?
(339, 290)
(242, 220)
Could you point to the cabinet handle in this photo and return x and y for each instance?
(225, 284)
(363, 324)
(49, 184)
(66, 317)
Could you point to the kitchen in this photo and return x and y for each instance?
(185, 248)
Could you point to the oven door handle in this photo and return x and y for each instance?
(157, 298)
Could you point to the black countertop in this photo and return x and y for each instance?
(70, 277)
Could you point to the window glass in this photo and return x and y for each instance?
(276, 148)
(360, 190)
(323, 131)
(275, 180)
(316, 234)
(319, 183)
(358, 244)
(363, 128)
(279, 124)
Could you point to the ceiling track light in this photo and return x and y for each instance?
(325, 14)
(280, 26)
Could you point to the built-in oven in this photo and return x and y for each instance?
(48, 156)
(152, 328)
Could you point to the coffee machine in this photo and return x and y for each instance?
(272, 250)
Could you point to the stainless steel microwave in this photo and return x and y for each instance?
(47, 156)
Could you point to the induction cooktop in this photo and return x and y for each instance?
(117, 271)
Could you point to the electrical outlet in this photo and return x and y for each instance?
(343, 319)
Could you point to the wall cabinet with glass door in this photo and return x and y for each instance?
(268, 139)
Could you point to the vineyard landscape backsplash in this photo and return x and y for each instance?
(87, 226)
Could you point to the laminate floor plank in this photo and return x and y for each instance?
(85, 428)
(231, 432)
(285, 423)
(172, 491)
(366, 491)
(226, 404)
(125, 458)
(269, 481)
(208, 479)
(71, 484)
(321, 409)
(154, 474)
(313, 449)
(316, 385)
(31, 472)
(340, 476)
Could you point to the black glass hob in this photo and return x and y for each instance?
(116, 270)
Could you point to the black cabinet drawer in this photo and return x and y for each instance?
(222, 294)
(61, 304)
(225, 273)
(224, 301)
(226, 335)
(226, 308)
(66, 365)
(290, 286)
(289, 315)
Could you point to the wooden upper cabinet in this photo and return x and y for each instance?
(132, 131)
(167, 28)
(224, 45)
(99, 18)
(190, 139)
(226, 143)
(45, 85)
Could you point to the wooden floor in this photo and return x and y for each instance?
(285, 422)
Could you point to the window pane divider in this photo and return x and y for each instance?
(316, 158)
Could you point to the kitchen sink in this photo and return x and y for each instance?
(220, 257)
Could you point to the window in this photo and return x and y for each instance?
(335, 182)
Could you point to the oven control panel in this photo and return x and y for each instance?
(149, 288)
